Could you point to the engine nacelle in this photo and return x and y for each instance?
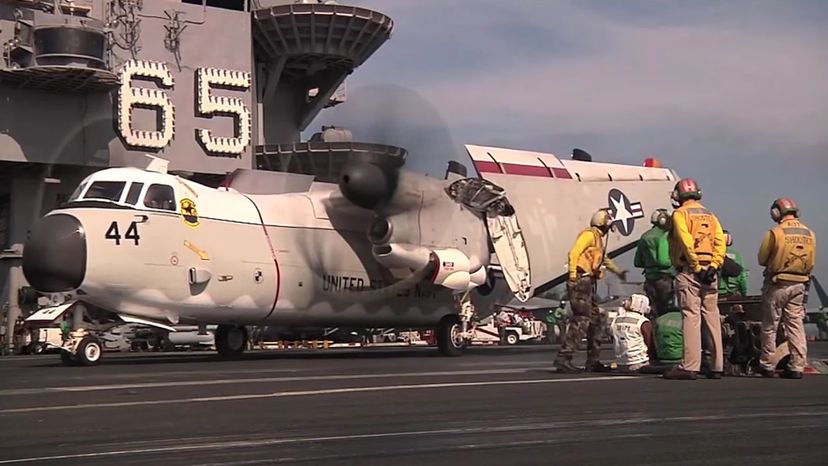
(451, 266)
(452, 270)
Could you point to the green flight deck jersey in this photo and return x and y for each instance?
(668, 338)
(738, 285)
(653, 254)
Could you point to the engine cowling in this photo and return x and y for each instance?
(368, 185)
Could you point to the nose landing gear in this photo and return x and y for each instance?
(82, 349)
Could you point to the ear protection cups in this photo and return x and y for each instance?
(783, 206)
(660, 218)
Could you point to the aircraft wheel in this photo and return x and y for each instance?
(511, 338)
(89, 351)
(231, 340)
(450, 340)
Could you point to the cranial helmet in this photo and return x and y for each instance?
(660, 218)
(685, 189)
(601, 219)
(782, 207)
(639, 303)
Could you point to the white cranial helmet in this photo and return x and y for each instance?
(638, 303)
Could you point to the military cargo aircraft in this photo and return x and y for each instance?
(383, 247)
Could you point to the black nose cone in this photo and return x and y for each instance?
(54, 257)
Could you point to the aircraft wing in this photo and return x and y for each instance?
(553, 201)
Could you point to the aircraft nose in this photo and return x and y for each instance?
(54, 257)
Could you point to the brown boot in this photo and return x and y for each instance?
(767, 373)
(566, 367)
(596, 366)
(677, 373)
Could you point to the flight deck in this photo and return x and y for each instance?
(494, 406)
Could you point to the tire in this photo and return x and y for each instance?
(231, 340)
(511, 338)
(449, 341)
(89, 351)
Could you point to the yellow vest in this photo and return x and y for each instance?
(794, 252)
(702, 225)
(592, 258)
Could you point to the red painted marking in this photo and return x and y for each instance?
(561, 173)
(528, 170)
(275, 260)
(278, 272)
(438, 263)
(487, 167)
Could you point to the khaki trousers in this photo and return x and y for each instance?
(699, 302)
(784, 301)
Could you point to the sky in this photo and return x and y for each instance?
(731, 93)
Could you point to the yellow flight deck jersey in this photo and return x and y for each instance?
(788, 252)
(697, 238)
(587, 255)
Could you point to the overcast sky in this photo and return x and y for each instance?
(732, 93)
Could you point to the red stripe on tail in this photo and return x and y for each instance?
(561, 173)
(528, 170)
(487, 167)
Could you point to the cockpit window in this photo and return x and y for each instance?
(76, 194)
(134, 192)
(107, 190)
(160, 196)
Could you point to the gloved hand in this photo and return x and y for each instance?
(622, 275)
(708, 275)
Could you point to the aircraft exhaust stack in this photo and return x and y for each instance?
(398, 256)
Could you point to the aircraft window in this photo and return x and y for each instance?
(76, 194)
(108, 190)
(134, 192)
(160, 196)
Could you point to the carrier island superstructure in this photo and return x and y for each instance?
(210, 86)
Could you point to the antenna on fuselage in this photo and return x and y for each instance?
(154, 164)
(147, 162)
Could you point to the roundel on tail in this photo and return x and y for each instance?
(624, 212)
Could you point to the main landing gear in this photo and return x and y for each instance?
(454, 332)
(231, 340)
(450, 341)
